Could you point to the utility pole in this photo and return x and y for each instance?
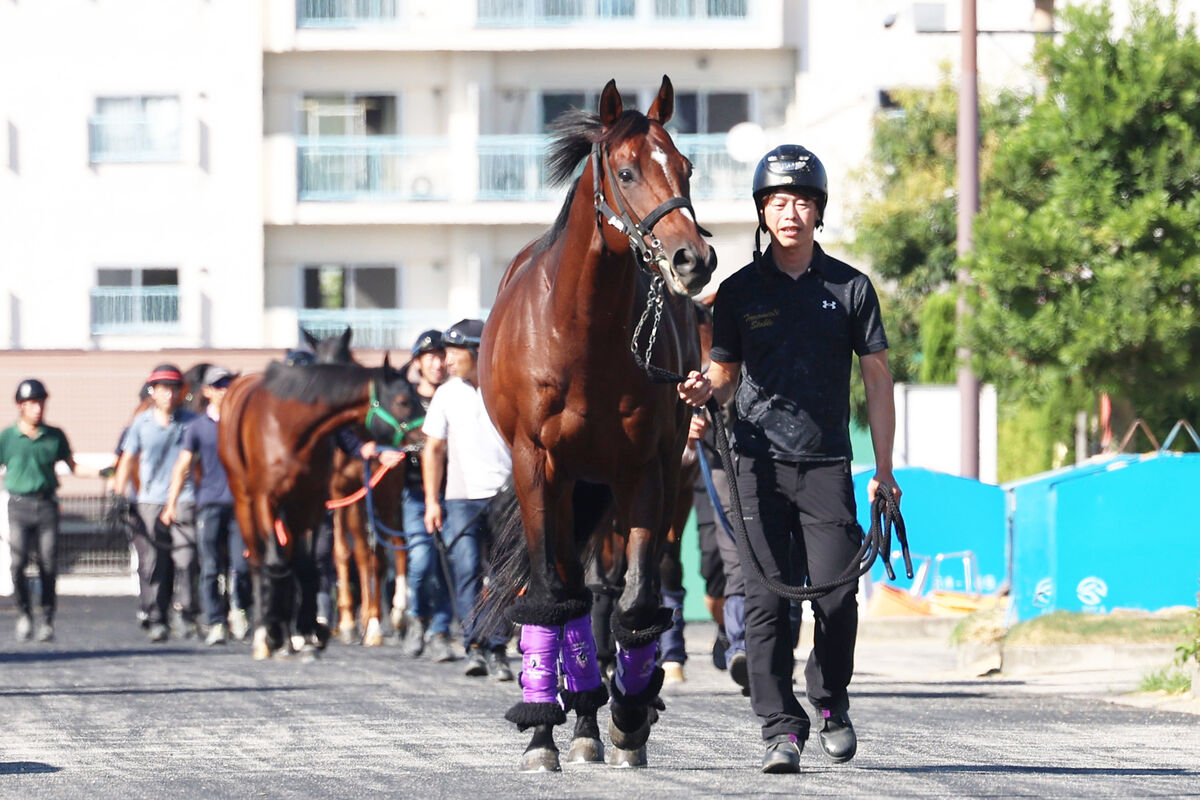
(968, 206)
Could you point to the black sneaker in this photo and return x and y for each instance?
(476, 664)
(740, 672)
(837, 736)
(783, 754)
(719, 647)
(497, 664)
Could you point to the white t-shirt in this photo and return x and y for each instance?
(477, 459)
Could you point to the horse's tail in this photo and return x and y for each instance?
(508, 564)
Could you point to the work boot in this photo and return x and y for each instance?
(158, 632)
(672, 672)
(24, 628)
(216, 634)
(477, 665)
(783, 753)
(837, 736)
(720, 645)
(414, 639)
(740, 672)
(45, 632)
(439, 648)
(497, 664)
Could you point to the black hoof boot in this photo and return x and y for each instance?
(540, 759)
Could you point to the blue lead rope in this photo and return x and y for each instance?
(711, 488)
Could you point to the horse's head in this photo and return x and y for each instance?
(645, 179)
(393, 416)
(332, 349)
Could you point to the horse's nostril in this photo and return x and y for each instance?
(685, 261)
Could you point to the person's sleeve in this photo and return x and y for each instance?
(3, 439)
(64, 448)
(347, 440)
(129, 442)
(436, 424)
(727, 338)
(868, 335)
(191, 437)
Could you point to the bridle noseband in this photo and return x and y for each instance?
(400, 429)
(653, 258)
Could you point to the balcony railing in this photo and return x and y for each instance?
(346, 13)
(550, 13)
(123, 139)
(376, 329)
(509, 168)
(135, 310)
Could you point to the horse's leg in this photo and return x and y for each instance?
(305, 567)
(639, 620)
(370, 583)
(341, 563)
(273, 584)
(584, 691)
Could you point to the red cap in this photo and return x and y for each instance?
(165, 373)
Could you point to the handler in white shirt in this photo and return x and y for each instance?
(464, 448)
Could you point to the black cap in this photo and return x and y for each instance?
(427, 342)
(466, 333)
(31, 389)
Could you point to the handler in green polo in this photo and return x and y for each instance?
(28, 451)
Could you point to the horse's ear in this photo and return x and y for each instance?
(387, 365)
(664, 105)
(346, 334)
(610, 104)
(312, 340)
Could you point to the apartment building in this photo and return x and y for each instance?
(218, 173)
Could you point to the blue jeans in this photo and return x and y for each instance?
(468, 518)
(221, 549)
(428, 597)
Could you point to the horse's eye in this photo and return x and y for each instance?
(626, 175)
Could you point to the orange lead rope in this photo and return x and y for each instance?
(353, 498)
(281, 533)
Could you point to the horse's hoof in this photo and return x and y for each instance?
(585, 750)
(374, 635)
(627, 758)
(399, 621)
(309, 653)
(320, 636)
(296, 641)
(260, 650)
(348, 634)
(540, 759)
(628, 740)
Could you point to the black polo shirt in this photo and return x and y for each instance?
(795, 339)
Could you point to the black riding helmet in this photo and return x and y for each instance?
(792, 167)
(466, 333)
(299, 358)
(31, 389)
(427, 342)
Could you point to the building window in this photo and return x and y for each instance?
(709, 112)
(350, 115)
(552, 104)
(135, 129)
(337, 286)
(135, 300)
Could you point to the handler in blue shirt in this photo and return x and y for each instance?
(217, 533)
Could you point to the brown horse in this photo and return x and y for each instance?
(564, 380)
(352, 542)
(274, 440)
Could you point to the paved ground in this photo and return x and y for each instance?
(102, 713)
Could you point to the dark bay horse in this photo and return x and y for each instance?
(589, 430)
(274, 440)
(391, 425)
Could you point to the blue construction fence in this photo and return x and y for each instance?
(1119, 533)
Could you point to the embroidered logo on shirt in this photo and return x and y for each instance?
(764, 319)
(829, 304)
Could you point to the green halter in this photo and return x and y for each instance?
(401, 428)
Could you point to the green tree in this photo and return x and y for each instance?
(1087, 256)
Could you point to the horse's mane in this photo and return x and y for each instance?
(332, 384)
(574, 133)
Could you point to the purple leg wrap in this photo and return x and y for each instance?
(579, 655)
(634, 667)
(540, 645)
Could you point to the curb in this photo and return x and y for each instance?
(1084, 657)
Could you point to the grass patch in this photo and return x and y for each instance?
(1066, 627)
(1170, 681)
(985, 626)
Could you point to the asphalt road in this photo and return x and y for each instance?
(103, 713)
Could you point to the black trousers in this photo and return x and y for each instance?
(33, 532)
(801, 521)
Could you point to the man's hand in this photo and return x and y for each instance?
(368, 451)
(883, 478)
(697, 427)
(696, 390)
(390, 458)
(169, 514)
(433, 516)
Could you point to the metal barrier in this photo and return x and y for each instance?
(135, 309)
(346, 13)
(376, 329)
(550, 13)
(86, 546)
(124, 139)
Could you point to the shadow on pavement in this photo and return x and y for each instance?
(1038, 769)
(926, 695)
(26, 768)
(30, 656)
(133, 690)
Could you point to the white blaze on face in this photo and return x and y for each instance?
(659, 157)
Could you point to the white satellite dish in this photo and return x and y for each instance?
(745, 142)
